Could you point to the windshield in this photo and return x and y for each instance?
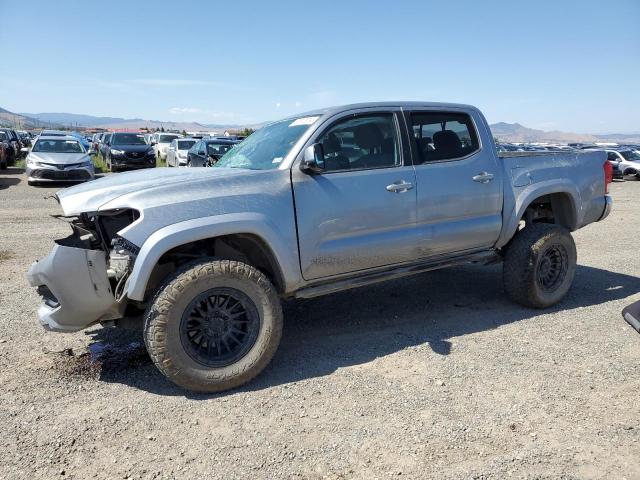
(631, 155)
(128, 139)
(266, 148)
(167, 138)
(58, 146)
(186, 144)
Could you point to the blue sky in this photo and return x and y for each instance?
(568, 65)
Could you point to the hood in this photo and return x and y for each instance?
(58, 158)
(132, 148)
(90, 196)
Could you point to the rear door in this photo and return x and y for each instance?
(459, 184)
(360, 213)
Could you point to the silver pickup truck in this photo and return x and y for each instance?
(314, 204)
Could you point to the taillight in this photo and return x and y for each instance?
(608, 175)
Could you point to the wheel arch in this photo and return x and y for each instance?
(550, 202)
(248, 237)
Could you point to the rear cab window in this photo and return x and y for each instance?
(442, 136)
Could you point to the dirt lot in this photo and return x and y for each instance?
(436, 376)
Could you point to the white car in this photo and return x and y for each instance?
(161, 141)
(625, 161)
(177, 151)
(58, 159)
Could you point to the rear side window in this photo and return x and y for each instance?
(440, 136)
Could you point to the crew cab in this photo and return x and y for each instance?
(311, 205)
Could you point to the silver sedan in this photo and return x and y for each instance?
(58, 159)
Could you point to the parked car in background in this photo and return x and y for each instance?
(178, 150)
(53, 133)
(5, 147)
(25, 137)
(208, 151)
(58, 159)
(129, 151)
(630, 164)
(104, 145)
(94, 141)
(626, 163)
(308, 206)
(14, 143)
(161, 142)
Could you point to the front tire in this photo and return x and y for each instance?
(539, 265)
(213, 325)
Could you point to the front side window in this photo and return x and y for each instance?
(443, 136)
(57, 146)
(361, 142)
(218, 149)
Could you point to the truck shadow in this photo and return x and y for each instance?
(358, 326)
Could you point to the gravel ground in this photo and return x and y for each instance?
(435, 376)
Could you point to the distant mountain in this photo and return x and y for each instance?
(73, 119)
(19, 121)
(514, 132)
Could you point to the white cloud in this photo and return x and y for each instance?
(181, 110)
(278, 105)
(298, 104)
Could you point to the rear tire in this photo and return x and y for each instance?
(4, 165)
(539, 265)
(213, 325)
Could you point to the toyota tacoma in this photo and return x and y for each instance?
(315, 204)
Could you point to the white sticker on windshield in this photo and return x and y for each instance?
(303, 121)
(277, 159)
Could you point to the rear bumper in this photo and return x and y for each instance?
(75, 287)
(608, 205)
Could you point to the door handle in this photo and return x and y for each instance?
(399, 186)
(483, 177)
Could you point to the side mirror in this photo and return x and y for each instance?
(153, 142)
(313, 159)
(24, 150)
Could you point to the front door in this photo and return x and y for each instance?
(459, 183)
(360, 213)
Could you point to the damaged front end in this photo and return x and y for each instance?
(83, 279)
